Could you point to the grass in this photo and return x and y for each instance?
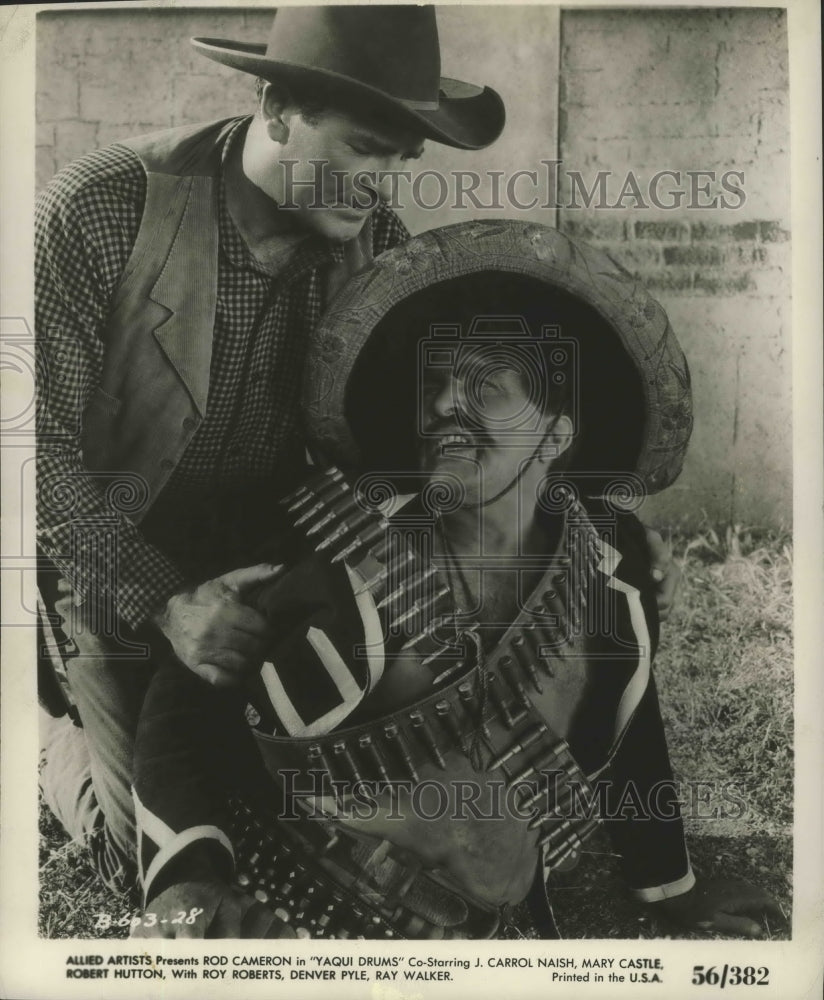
(724, 672)
(71, 893)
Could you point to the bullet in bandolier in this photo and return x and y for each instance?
(466, 693)
(445, 647)
(563, 802)
(559, 835)
(537, 817)
(372, 750)
(558, 634)
(578, 790)
(318, 761)
(316, 486)
(350, 523)
(531, 736)
(523, 657)
(389, 570)
(422, 729)
(408, 588)
(334, 492)
(567, 772)
(419, 607)
(335, 511)
(393, 544)
(333, 838)
(393, 733)
(542, 643)
(575, 596)
(507, 668)
(363, 540)
(316, 757)
(536, 765)
(503, 709)
(581, 590)
(455, 669)
(593, 555)
(450, 723)
(575, 610)
(436, 622)
(572, 844)
(342, 755)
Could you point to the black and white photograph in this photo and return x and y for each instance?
(412, 500)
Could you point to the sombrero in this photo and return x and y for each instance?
(360, 378)
(384, 60)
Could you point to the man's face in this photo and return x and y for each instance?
(479, 419)
(341, 169)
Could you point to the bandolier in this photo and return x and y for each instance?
(509, 711)
(482, 708)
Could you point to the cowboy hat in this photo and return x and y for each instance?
(632, 397)
(383, 59)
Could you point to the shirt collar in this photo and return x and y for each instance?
(312, 253)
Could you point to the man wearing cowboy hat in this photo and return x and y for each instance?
(178, 278)
(521, 354)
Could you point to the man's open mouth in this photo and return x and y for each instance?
(462, 440)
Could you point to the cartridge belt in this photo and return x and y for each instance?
(506, 737)
(491, 710)
(329, 882)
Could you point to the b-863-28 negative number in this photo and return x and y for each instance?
(105, 921)
(730, 975)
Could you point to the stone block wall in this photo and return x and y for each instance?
(689, 91)
(110, 74)
(610, 93)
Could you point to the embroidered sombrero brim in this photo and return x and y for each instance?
(355, 412)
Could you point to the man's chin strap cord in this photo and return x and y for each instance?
(521, 472)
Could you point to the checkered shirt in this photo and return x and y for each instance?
(86, 224)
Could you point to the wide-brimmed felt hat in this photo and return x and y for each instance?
(384, 60)
(633, 397)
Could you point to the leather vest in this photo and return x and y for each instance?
(154, 387)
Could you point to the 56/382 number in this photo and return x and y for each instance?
(730, 975)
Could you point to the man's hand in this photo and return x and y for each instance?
(213, 632)
(208, 910)
(727, 906)
(664, 571)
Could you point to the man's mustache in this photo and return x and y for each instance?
(463, 425)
